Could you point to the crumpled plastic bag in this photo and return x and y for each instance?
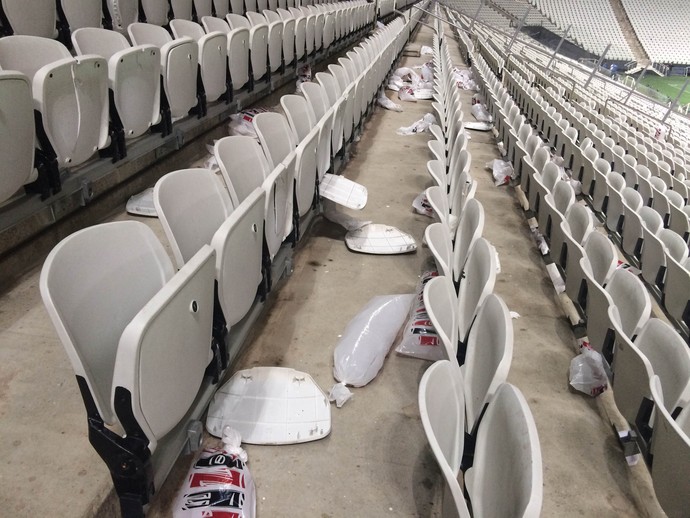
(368, 337)
(420, 126)
(395, 83)
(218, 481)
(303, 76)
(242, 123)
(427, 72)
(407, 74)
(502, 171)
(331, 213)
(406, 93)
(587, 372)
(422, 206)
(426, 51)
(339, 394)
(386, 103)
(480, 113)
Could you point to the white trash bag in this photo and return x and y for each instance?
(587, 372)
(406, 93)
(480, 113)
(242, 123)
(368, 337)
(426, 51)
(502, 171)
(420, 126)
(218, 483)
(386, 103)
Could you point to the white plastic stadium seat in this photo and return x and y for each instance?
(133, 367)
(442, 410)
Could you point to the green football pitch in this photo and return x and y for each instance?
(668, 86)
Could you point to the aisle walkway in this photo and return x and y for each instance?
(376, 461)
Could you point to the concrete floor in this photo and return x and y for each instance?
(376, 461)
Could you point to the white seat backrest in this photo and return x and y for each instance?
(191, 204)
(181, 28)
(651, 220)
(675, 245)
(317, 99)
(181, 9)
(477, 282)
(298, 114)
(441, 305)
(238, 244)
(488, 358)
(442, 410)
(101, 42)
(122, 13)
(17, 134)
(580, 222)
(155, 11)
(163, 352)
(121, 267)
(82, 13)
(506, 477)
(222, 7)
(38, 20)
(275, 136)
(27, 54)
(602, 256)
(147, 33)
(550, 174)
(470, 229)
(243, 164)
(236, 21)
(440, 242)
(213, 24)
(631, 297)
(669, 357)
(671, 447)
(255, 18)
(204, 8)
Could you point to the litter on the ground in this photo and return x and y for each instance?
(379, 239)
(142, 204)
(426, 51)
(386, 103)
(422, 206)
(478, 126)
(218, 480)
(345, 192)
(587, 373)
(480, 113)
(406, 93)
(420, 126)
(331, 213)
(303, 76)
(271, 405)
(242, 123)
(502, 171)
(419, 337)
(367, 338)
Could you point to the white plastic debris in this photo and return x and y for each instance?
(271, 405)
(395, 82)
(502, 171)
(407, 74)
(232, 443)
(406, 93)
(339, 394)
(303, 76)
(426, 51)
(480, 113)
(343, 191)
(368, 337)
(540, 241)
(420, 126)
(242, 123)
(587, 373)
(386, 103)
(427, 72)
(421, 205)
(379, 239)
(142, 204)
(423, 93)
(478, 126)
(331, 213)
(514, 315)
(501, 148)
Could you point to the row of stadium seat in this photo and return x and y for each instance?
(650, 360)
(112, 92)
(155, 339)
